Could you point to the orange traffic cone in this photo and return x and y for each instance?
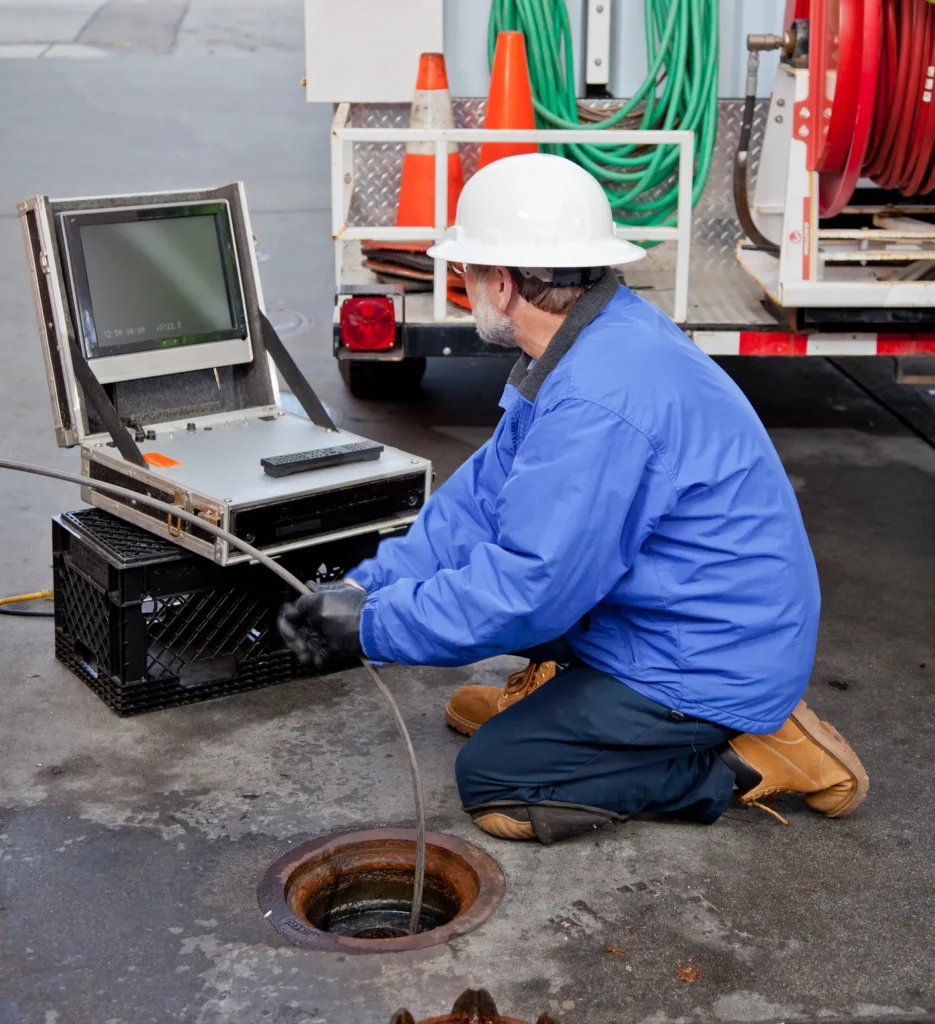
(509, 103)
(431, 108)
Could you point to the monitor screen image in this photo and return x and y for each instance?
(152, 278)
(155, 279)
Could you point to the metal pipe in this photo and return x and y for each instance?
(769, 41)
(296, 584)
(440, 267)
(683, 246)
(439, 138)
(639, 136)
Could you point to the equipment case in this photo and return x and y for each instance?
(194, 438)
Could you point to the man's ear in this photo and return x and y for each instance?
(504, 288)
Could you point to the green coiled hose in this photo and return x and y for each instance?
(679, 91)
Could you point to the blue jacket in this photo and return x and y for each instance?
(631, 501)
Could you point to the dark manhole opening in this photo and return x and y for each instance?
(371, 904)
(353, 892)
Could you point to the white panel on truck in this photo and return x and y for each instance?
(367, 51)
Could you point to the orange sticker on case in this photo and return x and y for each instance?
(160, 461)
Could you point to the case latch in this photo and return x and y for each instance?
(175, 528)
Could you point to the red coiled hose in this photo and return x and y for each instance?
(882, 102)
(902, 137)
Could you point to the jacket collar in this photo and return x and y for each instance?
(527, 382)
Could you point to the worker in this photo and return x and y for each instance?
(629, 520)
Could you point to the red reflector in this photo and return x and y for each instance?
(368, 323)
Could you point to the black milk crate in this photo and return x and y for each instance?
(149, 625)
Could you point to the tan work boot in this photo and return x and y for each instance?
(471, 706)
(509, 823)
(806, 756)
(548, 821)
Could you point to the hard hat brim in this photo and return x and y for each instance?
(610, 252)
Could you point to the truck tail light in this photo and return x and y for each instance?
(368, 323)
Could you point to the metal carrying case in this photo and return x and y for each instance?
(192, 434)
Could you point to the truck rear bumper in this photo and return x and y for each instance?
(419, 341)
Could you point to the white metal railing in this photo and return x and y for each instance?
(342, 187)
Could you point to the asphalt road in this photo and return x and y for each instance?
(130, 848)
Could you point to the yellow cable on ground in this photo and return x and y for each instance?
(40, 595)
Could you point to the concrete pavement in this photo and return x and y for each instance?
(101, 28)
(130, 849)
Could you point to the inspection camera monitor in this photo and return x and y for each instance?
(162, 368)
(155, 289)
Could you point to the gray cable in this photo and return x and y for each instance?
(418, 882)
(295, 583)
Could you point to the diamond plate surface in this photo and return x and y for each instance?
(718, 298)
(715, 230)
(378, 165)
(377, 169)
(721, 293)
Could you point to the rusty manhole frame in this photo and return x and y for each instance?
(473, 1006)
(273, 891)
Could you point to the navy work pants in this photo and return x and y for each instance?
(586, 738)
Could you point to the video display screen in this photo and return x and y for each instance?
(152, 278)
(155, 279)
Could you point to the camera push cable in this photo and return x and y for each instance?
(296, 584)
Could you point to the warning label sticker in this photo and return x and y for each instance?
(160, 461)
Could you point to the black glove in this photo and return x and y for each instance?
(324, 623)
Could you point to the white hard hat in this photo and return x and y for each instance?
(535, 210)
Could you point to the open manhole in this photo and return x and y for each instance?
(353, 892)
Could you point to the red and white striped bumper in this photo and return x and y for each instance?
(780, 343)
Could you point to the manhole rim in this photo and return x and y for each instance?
(271, 893)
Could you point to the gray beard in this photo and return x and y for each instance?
(492, 326)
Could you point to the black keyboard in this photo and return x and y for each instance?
(321, 458)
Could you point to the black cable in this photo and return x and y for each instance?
(8, 610)
(741, 161)
(881, 401)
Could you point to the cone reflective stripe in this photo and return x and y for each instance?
(509, 102)
(431, 108)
